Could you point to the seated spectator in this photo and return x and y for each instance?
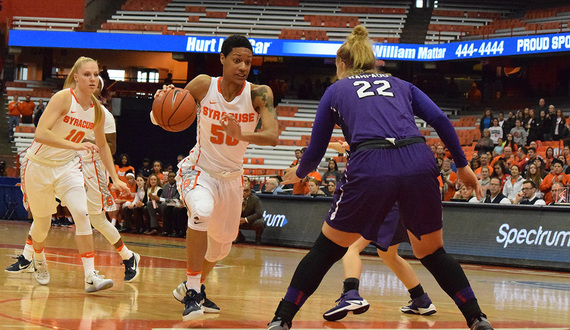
(246, 181)
(168, 79)
(500, 171)
(555, 175)
(519, 133)
(565, 167)
(439, 162)
(475, 163)
(314, 189)
(494, 194)
(559, 194)
(448, 179)
(181, 223)
(532, 156)
(272, 187)
(485, 144)
(133, 211)
(146, 169)
(157, 170)
(332, 172)
(154, 188)
(330, 188)
(169, 199)
(123, 167)
(507, 157)
(302, 187)
(535, 173)
(484, 159)
(510, 142)
(513, 185)
(123, 197)
(298, 155)
(522, 155)
(464, 194)
(251, 216)
(440, 151)
(548, 158)
(527, 196)
(485, 180)
(498, 150)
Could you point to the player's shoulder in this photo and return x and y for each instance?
(62, 97)
(258, 90)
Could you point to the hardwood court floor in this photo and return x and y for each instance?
(248, 285)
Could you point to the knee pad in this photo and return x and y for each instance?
(216, 250)
(200, 206)
(40, 228)
(99, 221)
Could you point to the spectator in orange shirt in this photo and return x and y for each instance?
(500, 171)
(555, 175)
(507, 157)
(121, 197)
(123, 167)
(14, 116)
(523, 158)
(449, 178)
(484, 159)
(157, 170)
(548, 158)
(27, 108)
(298, 155)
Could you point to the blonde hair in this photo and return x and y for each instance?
(70, 83)
(356, 52)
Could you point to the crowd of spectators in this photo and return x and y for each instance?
(508, 154)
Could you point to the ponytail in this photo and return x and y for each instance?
(356, 52)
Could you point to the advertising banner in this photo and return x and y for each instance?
(525, 45)
(511, 235)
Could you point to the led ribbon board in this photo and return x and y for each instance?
(545, 43)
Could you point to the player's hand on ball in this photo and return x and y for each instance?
(231, 126)
(164, 89)
(290, 176)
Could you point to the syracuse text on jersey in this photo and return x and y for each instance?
(216, 115)
(78, 122)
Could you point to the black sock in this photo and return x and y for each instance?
(451, 278)
(351, 283)
(416, 291)
(309, 274)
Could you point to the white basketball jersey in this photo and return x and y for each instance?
(215, 151)
(73, 126)
(109, 129)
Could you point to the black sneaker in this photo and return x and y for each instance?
(192, 305)
(278, 324)
(22, 265)
(207, 305)
(132, 267)
(481, 323)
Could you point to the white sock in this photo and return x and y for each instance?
(39, 255)
(28, 250)
(125, 253)
(193, 280)
(88, 260)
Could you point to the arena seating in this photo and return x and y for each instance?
(46, 23)
(309, 20)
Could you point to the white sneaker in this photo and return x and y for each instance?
(96, 282)
(41, 272)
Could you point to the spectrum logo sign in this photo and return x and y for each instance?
(533, 236)
(274, 220)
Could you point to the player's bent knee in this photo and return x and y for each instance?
(82, 226)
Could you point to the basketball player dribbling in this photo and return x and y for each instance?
(52, 167)
(210, 178)
(99, 200)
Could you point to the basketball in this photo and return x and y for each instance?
(174, 110)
